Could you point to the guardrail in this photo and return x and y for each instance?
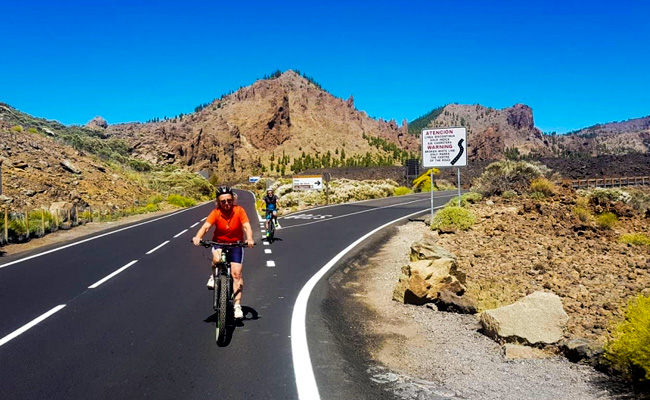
(611, 182)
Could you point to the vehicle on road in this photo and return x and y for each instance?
(223, 298)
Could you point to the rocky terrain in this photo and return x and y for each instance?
(234, 135)
(419, 352)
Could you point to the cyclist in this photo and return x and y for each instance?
(271, 208)
(230, 223)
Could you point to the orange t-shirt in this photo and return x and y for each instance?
(228, 228)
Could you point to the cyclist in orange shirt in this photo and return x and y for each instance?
(230, 222)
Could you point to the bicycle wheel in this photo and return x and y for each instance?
(223, 308)
(271, 230)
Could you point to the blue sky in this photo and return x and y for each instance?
(576, 63)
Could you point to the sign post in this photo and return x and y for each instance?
(444, 147)
(308, 182)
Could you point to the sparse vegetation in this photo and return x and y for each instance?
(423, 182)
(453, 218)
(628, 351)
(607, 220)
(638, 239)
(465, 199)
(17, 128)
(509, 194)
(501, 176)
(543, 186)
(582, 213)
(401, 191)
(180, 201)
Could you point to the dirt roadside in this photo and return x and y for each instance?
(420, 353)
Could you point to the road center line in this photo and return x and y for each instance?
(26, 327)
(157, 247)
(195, 224)
(267, 251)
(180, 233)
(99, 282)
(303, 371)
(270, 263)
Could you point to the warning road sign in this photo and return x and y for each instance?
(444, 147)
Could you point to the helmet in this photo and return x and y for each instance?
(224, 190)
(269, 190)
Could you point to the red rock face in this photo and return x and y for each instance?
(520, 116)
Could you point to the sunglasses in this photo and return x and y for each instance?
(226, 201)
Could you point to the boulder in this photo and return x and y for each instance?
(66, 212)
(421, 281)
(582, 350)
(451, 302)
(427, 249)
(68, 166)
(97, 123)
(538, 318)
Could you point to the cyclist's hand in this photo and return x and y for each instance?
(250, 243)
(196, 240)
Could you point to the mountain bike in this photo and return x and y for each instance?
(270, 222)
(223, 295)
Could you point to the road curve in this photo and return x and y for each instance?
(127, 315)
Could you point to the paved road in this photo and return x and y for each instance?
(148, 331)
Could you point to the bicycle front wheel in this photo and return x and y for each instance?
(223, 309)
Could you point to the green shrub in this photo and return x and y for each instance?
(180, 201)
(401, 191)
(32, 130)
(629, 349)
(17, 128)
(501, 176)
(509, 194)
(465, 199)
(140, 166)
(639, 239)
(542, 185)
(607, 220)
(155, 199)
(452, 218)
(582, 213)
(423, 182)
(537, 195)
(151, 207)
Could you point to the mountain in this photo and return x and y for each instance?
(286, 120)
(511, 133)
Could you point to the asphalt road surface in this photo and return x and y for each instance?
(125, 314)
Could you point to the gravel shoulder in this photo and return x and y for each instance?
(420, 353)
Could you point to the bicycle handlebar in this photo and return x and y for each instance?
(210, 243)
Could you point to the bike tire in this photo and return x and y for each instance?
(271, 230)
(223, 308)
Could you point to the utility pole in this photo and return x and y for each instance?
(0, 176)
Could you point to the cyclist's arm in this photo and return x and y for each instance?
(249, 233)
(202, 231)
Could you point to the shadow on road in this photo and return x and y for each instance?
(250, 314)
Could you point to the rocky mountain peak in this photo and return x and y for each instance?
(520, 116)
(97, 123)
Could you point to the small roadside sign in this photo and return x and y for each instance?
(308, 182)
(253, 179)
(444, 147)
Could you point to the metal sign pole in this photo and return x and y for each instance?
(431, 173)
(458, 186)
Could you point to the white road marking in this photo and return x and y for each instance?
(26, 327)
(305, 380)
(270, 263)
(360, 212)
(203, 219)
(157, 247)
(267, 251)
(95, 237)
(263, 231)
(180, 233)
(195, 224)
(99, 282)
(265, 243)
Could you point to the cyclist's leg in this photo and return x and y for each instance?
(275, 217)
(237, 281)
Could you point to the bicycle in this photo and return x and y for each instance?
(271, 220)
(223, 295)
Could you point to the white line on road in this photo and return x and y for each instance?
(361, 212)
(267, 251)
(270, 263)
(265, 243)
(195, 224)
(99, 282)
(157, 247)
(180, 233)
(26, 327)
(305, 379)
(203, 219)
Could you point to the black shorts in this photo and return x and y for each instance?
(236, 254)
